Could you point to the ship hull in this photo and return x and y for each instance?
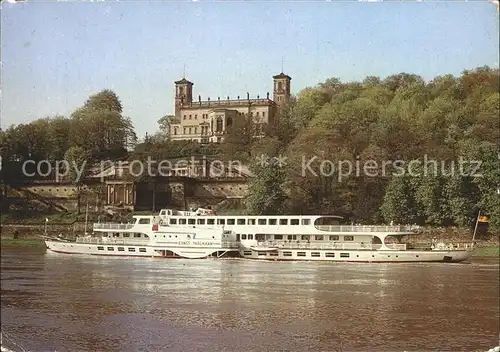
(135, 250)
(360, 256)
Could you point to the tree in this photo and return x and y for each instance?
(266, 193)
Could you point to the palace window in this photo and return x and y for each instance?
(218, 127)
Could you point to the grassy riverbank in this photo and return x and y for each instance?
(487, 252)
(18, 243)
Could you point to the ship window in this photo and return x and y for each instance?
(287, 254)
(250, 237)
(173, 221)
(211, 221)
(230, 221)
(126, 235)
(315, 254)
(247, 253)
(330, 255)
(273, 221)
(262, 221)
(292, 237)
(100, 248)
(348, 238)
(334, 238)
(191, 221)
(221, 221)
(131, 249)
(294, 221)
(273, 254)
(344, 255)
(182, 221)
(142, 250)
(137, 235)
(201, 221)
(283, 221)
(105, 235)
(278, 237)
(301, 254)
(144, 221)
(243, 237)
(318, 237)
(306, 221)
(304, 238)
(240, 221)
(251, 222)
(121, 249)
(261, 253)
(111, 249)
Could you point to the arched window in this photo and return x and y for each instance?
(181, 91)
(229, 122)
(280, 85)
(218, 127)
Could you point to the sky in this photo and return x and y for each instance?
(55, 54)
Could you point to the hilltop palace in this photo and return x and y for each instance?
(205, 121)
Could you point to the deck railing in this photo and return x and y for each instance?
(362, 228)
(138, 241)
(107, 240)
(112, 226)
(329, 245)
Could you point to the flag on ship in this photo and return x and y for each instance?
(483, 219)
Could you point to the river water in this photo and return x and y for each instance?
(57, 302)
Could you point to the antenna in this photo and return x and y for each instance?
(282, 64)
(184, 72)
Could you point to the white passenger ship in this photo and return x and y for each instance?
(317, 238)
(145, 237)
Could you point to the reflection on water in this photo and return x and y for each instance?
(78, 303)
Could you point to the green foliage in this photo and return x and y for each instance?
(266, 192)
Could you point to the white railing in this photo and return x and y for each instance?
(99, 240)
(112, 226)
(328, 245)
(230, 244)
(362, 228)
